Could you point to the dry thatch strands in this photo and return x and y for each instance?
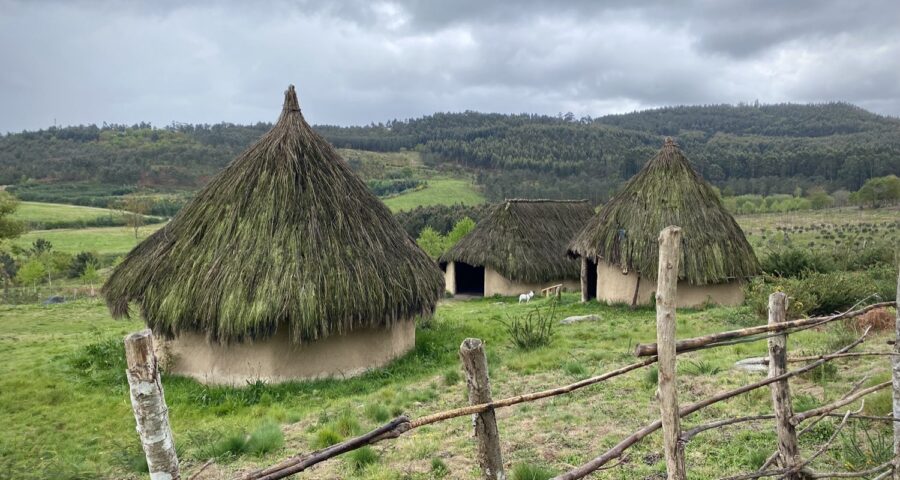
(285, 236)
(525, 240)
(667, 191)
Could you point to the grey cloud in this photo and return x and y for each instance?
(355, 62)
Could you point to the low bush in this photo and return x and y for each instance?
(533, 329)
(527, 471)
(360, 458)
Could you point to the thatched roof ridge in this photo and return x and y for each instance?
(668, 191)
(525, 239)
(286, 236)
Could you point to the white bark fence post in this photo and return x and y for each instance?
(788, 451)
(895, 369)
(474, 361)
(149, 405)
(666, 302)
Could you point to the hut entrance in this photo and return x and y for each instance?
(469, 279)
(589, 283)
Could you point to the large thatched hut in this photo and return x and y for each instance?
(618, 246)
(283, 267)
(519, 246)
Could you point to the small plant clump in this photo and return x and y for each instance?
(527, 471)
(533, 329)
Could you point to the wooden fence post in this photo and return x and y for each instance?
(149, 405)
(666, 302)
(474, 361)
(781, 391)
(895, 369)
(585, 294)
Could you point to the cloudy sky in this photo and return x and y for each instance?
(355, 62)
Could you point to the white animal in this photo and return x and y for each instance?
(526, 297)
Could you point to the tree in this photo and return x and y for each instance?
(32, 273)
(841, 198)
(819, 198)
(41, 246)
(135, 210)
(90, 276)
(879, 191)
(9, 227)
(432, 242)
(80, 262)
(460, 230)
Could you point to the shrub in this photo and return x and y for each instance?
(439, 469)
(361, 458)
(865, 447)
(534, 329)
(527, 471)
(795, 262)
(879, 320)
(267, 438)
(701, 367)
(326, 437)
(378, 412)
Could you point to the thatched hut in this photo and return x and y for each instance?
(283, 267)
(618, 246)
(519, 246)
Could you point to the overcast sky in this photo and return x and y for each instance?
(355, 62)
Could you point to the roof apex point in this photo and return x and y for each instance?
(670, 142)
(290, 99)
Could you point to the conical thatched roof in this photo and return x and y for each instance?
(525, 240)
(285, 236)
(667, 191)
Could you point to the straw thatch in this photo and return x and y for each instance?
(667, 191)
(525, 240)
(285, 236)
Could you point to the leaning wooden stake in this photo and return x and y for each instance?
(666, 289)
(474, 361)
(895, 368)
(149, 405)
(585, 293)
(781, 392)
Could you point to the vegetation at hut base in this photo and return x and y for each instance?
(65, 399)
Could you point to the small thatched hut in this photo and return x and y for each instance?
(283, 267)
(519, 246)
(619, 250)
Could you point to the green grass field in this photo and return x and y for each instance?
(103, 241)
(38, 212)
(440, 191)
(65, 403)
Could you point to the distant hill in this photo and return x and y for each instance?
(745, 149)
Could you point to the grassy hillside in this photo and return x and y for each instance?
(64, 399)
(103, 241)
(438, 191)
(42, 216)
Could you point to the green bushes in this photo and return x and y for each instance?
(823, 293)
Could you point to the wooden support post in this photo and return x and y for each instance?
(666, 301)
(149, 405)
(895, 369)
(781, 391)
(474, 361)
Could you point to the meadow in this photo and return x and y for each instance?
(102, 240)
(438, 191)
(65, 401)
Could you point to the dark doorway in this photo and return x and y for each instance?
(589, 283)
(469, 279)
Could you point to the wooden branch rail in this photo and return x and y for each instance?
(593, 465)
(810, 358)
(708, 341)
(401, 425)
(838, 404)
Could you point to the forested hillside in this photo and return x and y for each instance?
(742, 149)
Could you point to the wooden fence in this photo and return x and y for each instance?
(787, 461)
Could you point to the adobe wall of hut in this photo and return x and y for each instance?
(450, 277)
(278, 360)
(497, 284)
(615, 287)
